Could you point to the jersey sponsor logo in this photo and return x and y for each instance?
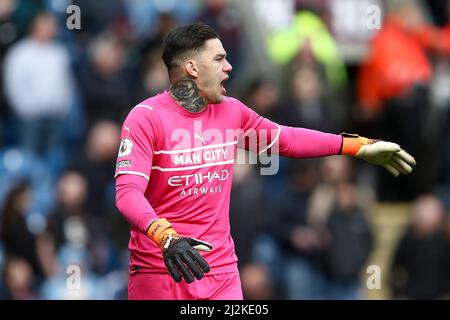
(199, 183)
(198, 178)
(126, 146)
(123, 164)
(200, 191)
(201, 157)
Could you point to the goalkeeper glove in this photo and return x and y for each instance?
(179, 253)
(386, 154)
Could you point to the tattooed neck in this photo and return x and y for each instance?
(185, 92)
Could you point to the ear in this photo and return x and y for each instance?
(191, 68)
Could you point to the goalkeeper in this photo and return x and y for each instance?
(174, 171)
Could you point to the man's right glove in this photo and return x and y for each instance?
(180, 253)
(386, 154)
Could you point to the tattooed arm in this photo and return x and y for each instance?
(185, 92)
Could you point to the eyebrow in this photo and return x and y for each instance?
(220, 55)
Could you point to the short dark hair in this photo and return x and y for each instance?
(184, 40)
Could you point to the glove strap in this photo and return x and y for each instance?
(161, 232)
(351, 143)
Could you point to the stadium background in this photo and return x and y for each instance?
(319, 229)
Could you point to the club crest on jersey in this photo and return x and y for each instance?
(125, 147)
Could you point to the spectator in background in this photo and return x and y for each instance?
(349, 244)
(70, 223)
(313, 74)
(154, 77)
(301, 243)
(105, 81)
(94, 161)
(396, 64)
(222, 16)
(19, 280)
(247, 210)
(418, 266)
(151, 68)
(308, 102)
(147, 17)
(17, 239)
(257, 283)
(440, 95)
(307, 34)
(265, 98)
(24, 12)
(8, 34)
(330, 173)
(75, 279)
(323, 231)
(98, 16)
(167, 21)
(393, 95)
(40, 89)
(248, 220)
(72, 228)
(446, 262)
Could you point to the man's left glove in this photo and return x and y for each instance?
(180, 254)
(383, 153)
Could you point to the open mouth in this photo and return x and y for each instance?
(222, 85)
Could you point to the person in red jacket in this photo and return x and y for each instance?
(393, 94)
(397, 61)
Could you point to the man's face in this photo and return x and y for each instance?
(213, 69)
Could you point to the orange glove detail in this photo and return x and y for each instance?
(159, 231)
(383, 153)
(352, 143)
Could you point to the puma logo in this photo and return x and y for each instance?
(196, 135)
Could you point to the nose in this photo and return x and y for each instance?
(227, 67)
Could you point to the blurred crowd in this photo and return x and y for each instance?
(304, 233)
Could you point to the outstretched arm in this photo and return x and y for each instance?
(305, 143)
(301, 143)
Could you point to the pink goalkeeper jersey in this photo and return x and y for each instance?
(187, 159)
